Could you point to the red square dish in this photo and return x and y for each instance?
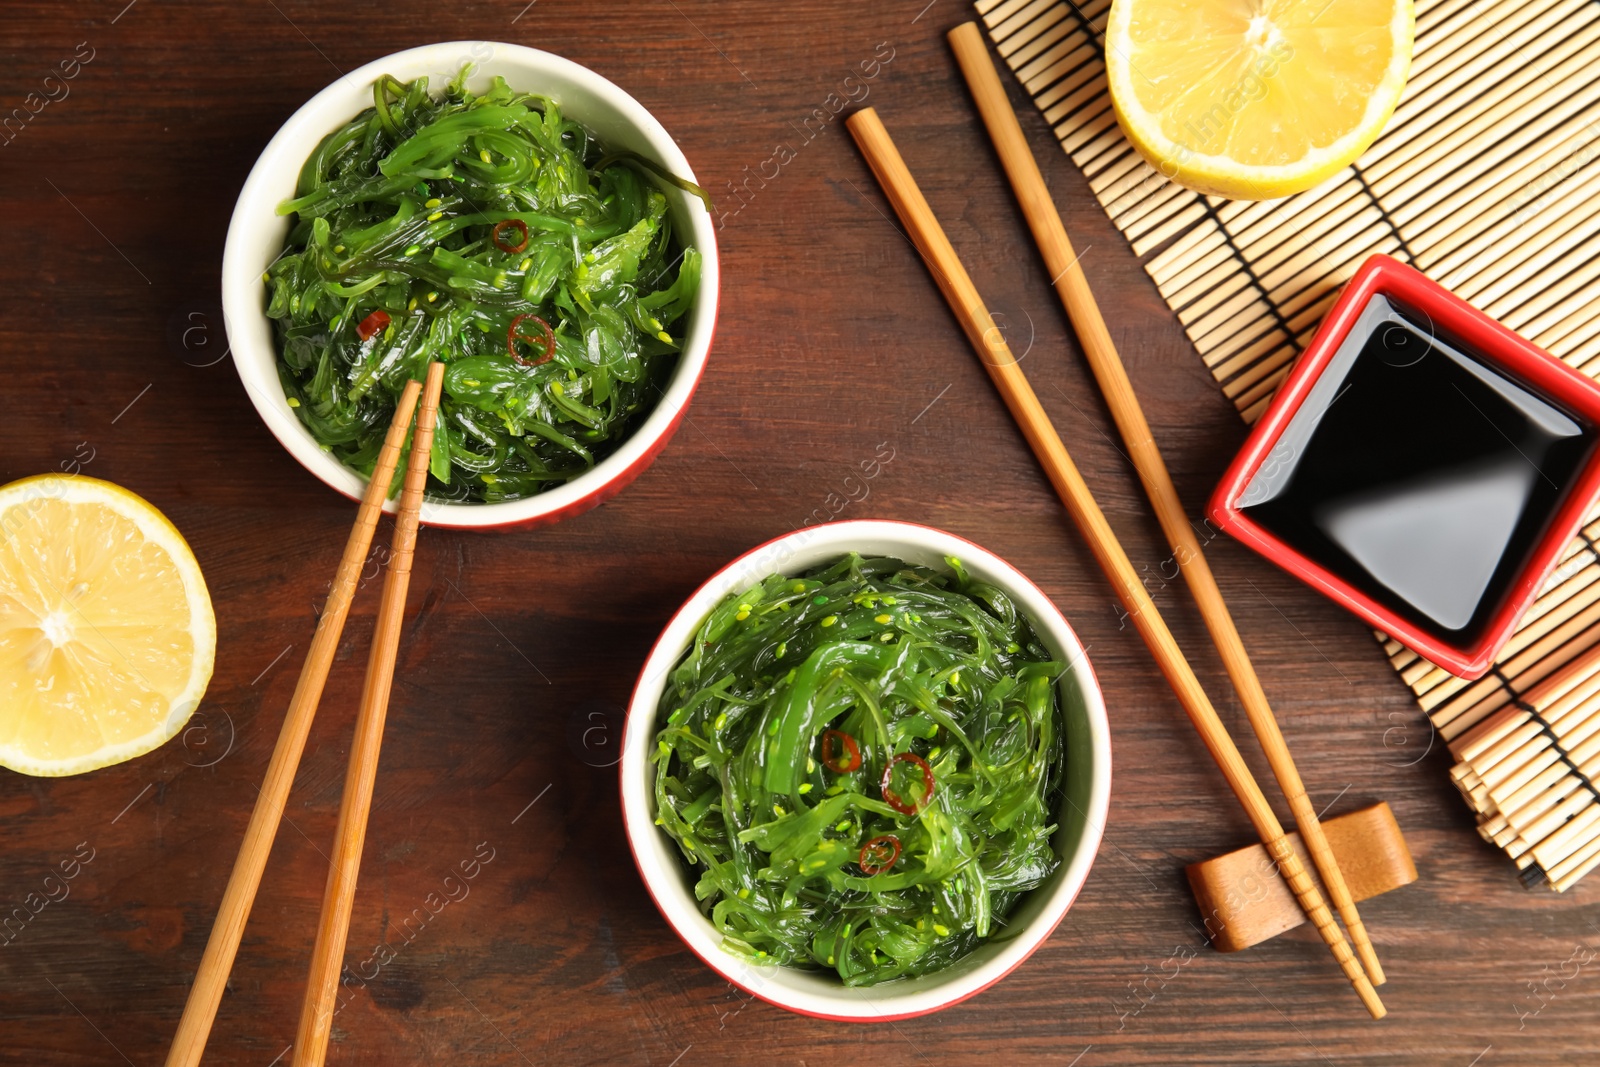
(1421, 464)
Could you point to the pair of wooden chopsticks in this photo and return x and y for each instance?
(316, 1013)
(1073, 287)
(895, 178)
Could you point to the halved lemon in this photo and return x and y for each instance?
(106, 632)
(1256, 99)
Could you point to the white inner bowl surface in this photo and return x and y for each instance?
(256, 235)
(1081, 818)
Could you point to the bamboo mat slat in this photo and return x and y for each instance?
(1487, 178)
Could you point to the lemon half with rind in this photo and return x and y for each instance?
(1256, 99)
(107, 637)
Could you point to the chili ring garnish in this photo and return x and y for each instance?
(547, 339)
(893, 799)
(879, 854)
(505, 224)
(831, 759)
(374, 323)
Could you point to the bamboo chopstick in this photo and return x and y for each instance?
(206, 993)
(327, 958)
(997, 359)
(1073, 287)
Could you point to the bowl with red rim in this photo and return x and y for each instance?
(1081, 817)
(256, 234)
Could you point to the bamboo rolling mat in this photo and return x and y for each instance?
(1483, 179)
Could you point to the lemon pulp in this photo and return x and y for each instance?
(1256, 99)
(107, 637)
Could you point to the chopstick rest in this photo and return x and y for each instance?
(1244, 901)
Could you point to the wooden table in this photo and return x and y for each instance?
(521, 651)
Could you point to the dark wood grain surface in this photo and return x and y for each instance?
(833, 341)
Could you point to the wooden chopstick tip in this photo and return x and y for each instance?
(862, 119)
(966, 35)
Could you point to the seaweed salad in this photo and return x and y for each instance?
(495, 235)
(861, 766)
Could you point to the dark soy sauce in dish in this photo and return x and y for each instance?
(1418, 473)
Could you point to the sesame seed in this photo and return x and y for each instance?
(830, 620)
(884, 619)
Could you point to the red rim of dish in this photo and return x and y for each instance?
(1511, 352)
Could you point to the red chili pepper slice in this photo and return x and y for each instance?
(547, 338)
(374, 323)
(879, 854)
(831, 741)
(893, 799)
(505, 224)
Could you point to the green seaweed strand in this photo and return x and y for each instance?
(407, 246)
(905, 660)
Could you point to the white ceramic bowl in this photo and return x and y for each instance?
(1081, 819)
(256, 234)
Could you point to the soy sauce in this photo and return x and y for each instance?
(1418, 473)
